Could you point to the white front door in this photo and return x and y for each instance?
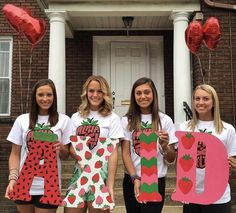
(128, 63)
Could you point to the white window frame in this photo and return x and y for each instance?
(10, 40)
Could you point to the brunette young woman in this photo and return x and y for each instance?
(43, 111)
(144, 112)
(206, 118)
(96, 109)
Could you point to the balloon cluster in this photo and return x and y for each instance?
(209, 34)
(22, 21)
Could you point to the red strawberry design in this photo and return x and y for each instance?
(81, 192)
(71, 198)
(80, 205)
(98, 164)
(88, 155)
(185, 185)
(83, 180)
(109, 199)
(100, 152)
(187, 141)
(79, 158)
(95, 178)
(87, 168)
(102, 140)
(99, 200)
(79, 146)
(110, 147)
(186, 162)
(93, 189)
(89, 128)
(103, 188)
(73, 138)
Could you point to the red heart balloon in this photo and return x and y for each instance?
(22, 21)
(212, 33)
(194, 36)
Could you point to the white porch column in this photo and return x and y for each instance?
(57, 71)
(182, 74)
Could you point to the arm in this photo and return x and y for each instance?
(64, 151)
(126, 156)
(112, 167)
(232, 163)
(72, 152)
(14, 165)
(169, 153)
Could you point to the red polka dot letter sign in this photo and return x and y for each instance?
(90, 178)
(200, 154)
(40, 149)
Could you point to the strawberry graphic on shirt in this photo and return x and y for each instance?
(145, 127)
(201, 151)
(89, 128)
(42, 132)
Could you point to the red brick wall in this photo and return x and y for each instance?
(39, 69)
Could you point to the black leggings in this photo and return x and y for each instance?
(213, 208)
(131, 203)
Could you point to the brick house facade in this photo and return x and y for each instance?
(79, 57)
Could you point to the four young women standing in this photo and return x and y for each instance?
(143, 115)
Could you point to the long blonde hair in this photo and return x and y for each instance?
(106, 106)
(215, 109)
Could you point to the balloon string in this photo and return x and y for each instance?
(200, 65)
(29, 78)
(209, 67)
(20, 70)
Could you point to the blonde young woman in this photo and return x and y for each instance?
(206, 118)
(96, 110)
(144, 112)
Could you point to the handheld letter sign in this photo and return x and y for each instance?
(149, 177)
(41, 148)
(194, 148)
(91, 179)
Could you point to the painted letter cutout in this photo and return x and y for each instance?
(216, 168)
(41, 147)
(149, 171)
(90, 178)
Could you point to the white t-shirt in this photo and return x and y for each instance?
(18, 134)
(95, 125)
(228, 138)
(167, 125)
(108, 126)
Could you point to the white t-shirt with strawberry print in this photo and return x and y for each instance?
(18, 136)
(95, 125)
(228, 138)
(166, 125)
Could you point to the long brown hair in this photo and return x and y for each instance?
(134, 112)
(34, 108)
(106, 106)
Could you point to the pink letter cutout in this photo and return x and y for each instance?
(91, 164)
(216, 168)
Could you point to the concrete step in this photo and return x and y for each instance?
(121, 209)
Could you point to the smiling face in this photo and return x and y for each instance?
(44, 99)
(95, 95)
(144, 97)
(203, 104)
